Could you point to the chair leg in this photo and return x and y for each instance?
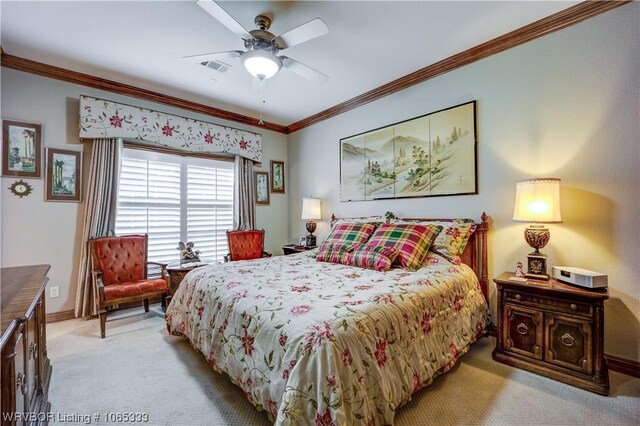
(146, 305)
(103, 323)
(163, 302)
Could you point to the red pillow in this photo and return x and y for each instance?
(379, 258)
(411, 240)
(332, 251)
(356, 233)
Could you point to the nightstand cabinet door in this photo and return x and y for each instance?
(569, 342)
(523, 331)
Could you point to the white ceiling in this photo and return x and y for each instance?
(369, 44)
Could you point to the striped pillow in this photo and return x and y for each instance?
(379, 258)
(411, 240)
(351, 232)
(333, 251)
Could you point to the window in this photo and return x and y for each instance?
(174, 198)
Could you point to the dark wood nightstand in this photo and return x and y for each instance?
(294, 248)
(553, 329)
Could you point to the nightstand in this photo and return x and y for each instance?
(177, 272)
(293, 248)
(553, 329)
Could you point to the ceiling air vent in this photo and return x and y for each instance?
(216, 66)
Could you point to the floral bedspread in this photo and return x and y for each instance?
(327, 344)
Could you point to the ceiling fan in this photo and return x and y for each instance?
(261, 58)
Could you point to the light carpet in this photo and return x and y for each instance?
(140, 368)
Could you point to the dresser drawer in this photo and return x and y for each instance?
(548, 303)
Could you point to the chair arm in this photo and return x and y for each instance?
(98, 285)
(162, 266)
(266, 254)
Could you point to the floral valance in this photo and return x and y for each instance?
(105, 119)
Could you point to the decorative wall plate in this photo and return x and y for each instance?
(20, 188)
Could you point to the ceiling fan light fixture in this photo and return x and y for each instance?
(261, 64)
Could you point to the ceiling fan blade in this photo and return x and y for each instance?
(214, 9)
(303, 70)
(312, 29)
(213, 56)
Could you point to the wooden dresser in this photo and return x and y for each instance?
(25, 369)
(553, 329)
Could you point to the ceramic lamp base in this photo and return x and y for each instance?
(311, 226)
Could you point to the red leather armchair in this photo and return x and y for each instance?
(246, 245)
(121, 274)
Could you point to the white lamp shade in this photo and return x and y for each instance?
(538, 201)
(311, 209)
(261, 64)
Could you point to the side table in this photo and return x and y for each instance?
(177, 272)
(294, 248)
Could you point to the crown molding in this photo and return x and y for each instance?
(542, 27)
(45, 70)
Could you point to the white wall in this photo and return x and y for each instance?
(565, 105)
(34, 231)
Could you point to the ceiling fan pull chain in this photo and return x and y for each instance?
(262, 100)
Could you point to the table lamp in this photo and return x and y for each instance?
(311, 212)
(537, 202)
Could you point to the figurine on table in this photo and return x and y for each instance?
(519, 270)
(187, 254)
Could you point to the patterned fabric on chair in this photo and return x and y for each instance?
(121, 273)
(246, 245)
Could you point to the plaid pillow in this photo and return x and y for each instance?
(379, 258)
(453, 239)
(333, 251)
(411, 240)
(351, 232)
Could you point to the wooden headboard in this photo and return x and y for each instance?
(474, 255)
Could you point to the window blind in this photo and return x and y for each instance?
(174, 198)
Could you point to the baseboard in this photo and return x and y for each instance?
(623, 365)
(60, 316)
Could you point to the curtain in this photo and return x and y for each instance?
(99, 214)
(244, 195)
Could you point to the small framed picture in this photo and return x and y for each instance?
(262, 188)
(64, 174)
(303, 241)
(21, 149)
(277, 177)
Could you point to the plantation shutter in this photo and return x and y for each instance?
(174, 199)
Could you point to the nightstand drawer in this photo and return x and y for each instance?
(566, 306)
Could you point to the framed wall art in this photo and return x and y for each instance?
(262, 188)
(277, 177)
(21, 149)
(64, 175)
(430, 155)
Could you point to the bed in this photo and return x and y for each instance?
(321, 343)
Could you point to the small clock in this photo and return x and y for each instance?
(20, 188)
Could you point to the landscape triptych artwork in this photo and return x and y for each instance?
(431, 155)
